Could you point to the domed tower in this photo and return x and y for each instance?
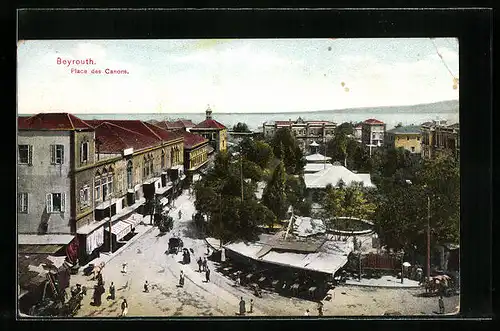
(208, 113)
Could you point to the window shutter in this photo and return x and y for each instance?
(27, 203)
(82, 196)
(52, 154)
(48, 202)
(62, 154)
(30, 155)
(81, 153)
(19, 203)
(63, 202)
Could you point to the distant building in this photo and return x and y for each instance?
(372, 133)
(215, 132)
(181, 124)
(195, 151)
(407, 137)
(438, 138)
(358, 128)
(306, 132)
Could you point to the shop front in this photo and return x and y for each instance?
(91, 238)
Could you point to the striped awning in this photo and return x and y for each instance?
(120, 229)
(133, 220)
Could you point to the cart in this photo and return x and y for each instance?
(174, 245)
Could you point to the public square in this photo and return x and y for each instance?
(147, 259)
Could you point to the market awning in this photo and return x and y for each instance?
(120, 229)
(133, 220)
(44, 239)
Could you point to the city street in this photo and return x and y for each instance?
(147, 259)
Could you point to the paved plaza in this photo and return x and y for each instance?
(147, 259)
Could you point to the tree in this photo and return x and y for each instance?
(347, 201)
(263, 154)
(402, 207)
(295, 191)
(286, 148)
(274, 195)
(241, 127)
(164, 222)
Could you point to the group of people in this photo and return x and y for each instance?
(243, 306)
(319, 308)
(203, 267)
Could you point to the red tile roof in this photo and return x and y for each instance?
(111, 138)
(182, 124)
(147, 129)
(190, 139)
(210, 124)
(373, 121)
(162, 133)
(52, 121)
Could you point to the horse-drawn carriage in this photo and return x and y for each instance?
(441, 284)
(174, 245)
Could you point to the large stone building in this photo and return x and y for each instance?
(215, 132)
(79, 178)
(195, 151)
(438, 138)
(306, 132)
(407, 137)
(372, 134)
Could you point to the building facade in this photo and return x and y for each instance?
(306, 132)
(75, 177)
(438, 138)
(372, 133)
(195, 152)
(51, 149)
(407, 137)
(213, 131)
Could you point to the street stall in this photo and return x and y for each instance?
(118, 230)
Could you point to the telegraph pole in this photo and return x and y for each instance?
(110, 226)
(428, 236)
(241, 172)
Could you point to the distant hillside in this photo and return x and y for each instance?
(450, 106)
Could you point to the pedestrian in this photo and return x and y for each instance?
(307, 312)
(320, 308)
(441, 305)
(124, 267)
(200, 263)
(207, 274)
(124, 308)
(180, 214)
(251, 306)
(204, 264)
(100, 281)
(146, 287)
(238, 281)
(112, 291)
(181, 279)
(208, 250)
(242, 307)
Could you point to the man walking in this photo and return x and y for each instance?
(204, 265)
(124, 308)
(181, 279)
(124, 267)
(112, 291)
(200, 263)
(242, 307)
(441, 305)
(207, 274)
(251, 306)
(180, 214)
(320, 308)
(146, 287)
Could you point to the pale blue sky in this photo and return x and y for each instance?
(235, 75)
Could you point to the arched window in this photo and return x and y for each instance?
(162, 159)
(129, 174)
(97, 186)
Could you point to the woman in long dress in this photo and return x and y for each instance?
(124, 308)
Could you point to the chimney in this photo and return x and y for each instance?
(208, 113)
